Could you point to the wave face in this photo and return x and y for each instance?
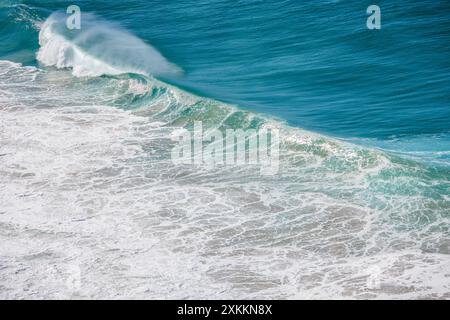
(92, 205)
(99, 48)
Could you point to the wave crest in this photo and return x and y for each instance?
(98, 48)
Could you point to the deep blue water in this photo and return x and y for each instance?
(312, 63)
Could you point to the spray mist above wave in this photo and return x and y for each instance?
(98, 48)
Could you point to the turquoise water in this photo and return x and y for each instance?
(315, 65)
(360, 206)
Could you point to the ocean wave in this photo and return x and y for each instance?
(338, 208)
(87, 184)
(91, 156)
(98, 48)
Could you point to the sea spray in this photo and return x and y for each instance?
(99, 48)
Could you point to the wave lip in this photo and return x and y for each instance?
(98, 48)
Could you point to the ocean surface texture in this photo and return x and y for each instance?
(92, 206)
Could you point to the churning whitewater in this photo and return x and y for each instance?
(93, 207)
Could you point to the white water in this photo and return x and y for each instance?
(98, 48)
(92, 207)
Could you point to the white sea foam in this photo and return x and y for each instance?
(92, 206)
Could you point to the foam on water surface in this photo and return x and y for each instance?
(93, 207)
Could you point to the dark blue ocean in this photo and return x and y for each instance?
(91, 205)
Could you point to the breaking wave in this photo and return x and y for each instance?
(88, 183)
(98, 48)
